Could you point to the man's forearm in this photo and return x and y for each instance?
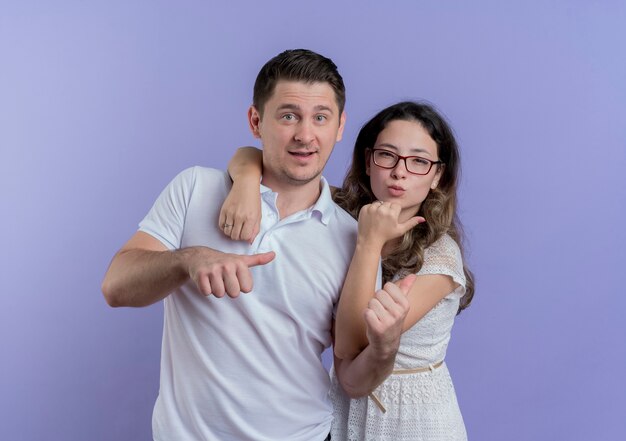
(140, 277)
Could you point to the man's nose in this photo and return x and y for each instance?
(304, 133)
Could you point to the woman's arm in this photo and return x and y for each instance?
(378, 224)
(424, 294)
(384, 320)
(240, 216)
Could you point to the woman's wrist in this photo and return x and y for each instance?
(369, 244)
(246, 180)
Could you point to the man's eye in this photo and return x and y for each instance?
(321, 118)
(289, 117)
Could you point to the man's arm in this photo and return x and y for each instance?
(384, 318)
(144, 272)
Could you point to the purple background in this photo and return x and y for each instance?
(102, 103)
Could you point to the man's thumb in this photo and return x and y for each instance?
(406, 283)
(259, 259)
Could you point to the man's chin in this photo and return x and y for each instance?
(302, 178)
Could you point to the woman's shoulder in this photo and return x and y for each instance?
(445, 245)
(444, 257)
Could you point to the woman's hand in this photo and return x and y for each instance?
(240, 216)
(379, 223)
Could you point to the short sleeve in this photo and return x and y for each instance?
(444, 257)
(166, 219)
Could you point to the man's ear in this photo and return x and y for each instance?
(342, 125)
(254, 120)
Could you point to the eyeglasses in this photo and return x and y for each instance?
(414, 164)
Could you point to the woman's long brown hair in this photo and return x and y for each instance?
(439, 207)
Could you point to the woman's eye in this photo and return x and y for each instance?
(420, 161)
(386, 155)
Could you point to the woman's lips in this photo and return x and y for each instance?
(396, 191)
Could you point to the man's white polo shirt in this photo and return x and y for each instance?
(249, 368)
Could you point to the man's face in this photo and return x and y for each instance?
(298, 129)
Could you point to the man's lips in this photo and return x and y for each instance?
(302, 154)
(301, 151)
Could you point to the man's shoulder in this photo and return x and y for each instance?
(343, 229)
(344, 218)
(205, 172)
(204, 176)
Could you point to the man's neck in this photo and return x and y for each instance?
(294, 198)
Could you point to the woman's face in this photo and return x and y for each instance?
(397, 184)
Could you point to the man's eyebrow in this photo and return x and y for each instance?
(288, 107)
(319, 108)
(323, 108)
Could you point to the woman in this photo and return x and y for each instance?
(402, 187)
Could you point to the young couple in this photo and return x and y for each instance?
(239, 367)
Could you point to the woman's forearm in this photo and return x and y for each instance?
(358, 289)
(247, 163)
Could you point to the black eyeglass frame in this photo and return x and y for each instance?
(399, 157)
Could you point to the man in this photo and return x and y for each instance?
(248, 367)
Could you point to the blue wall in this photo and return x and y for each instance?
(102, 103)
